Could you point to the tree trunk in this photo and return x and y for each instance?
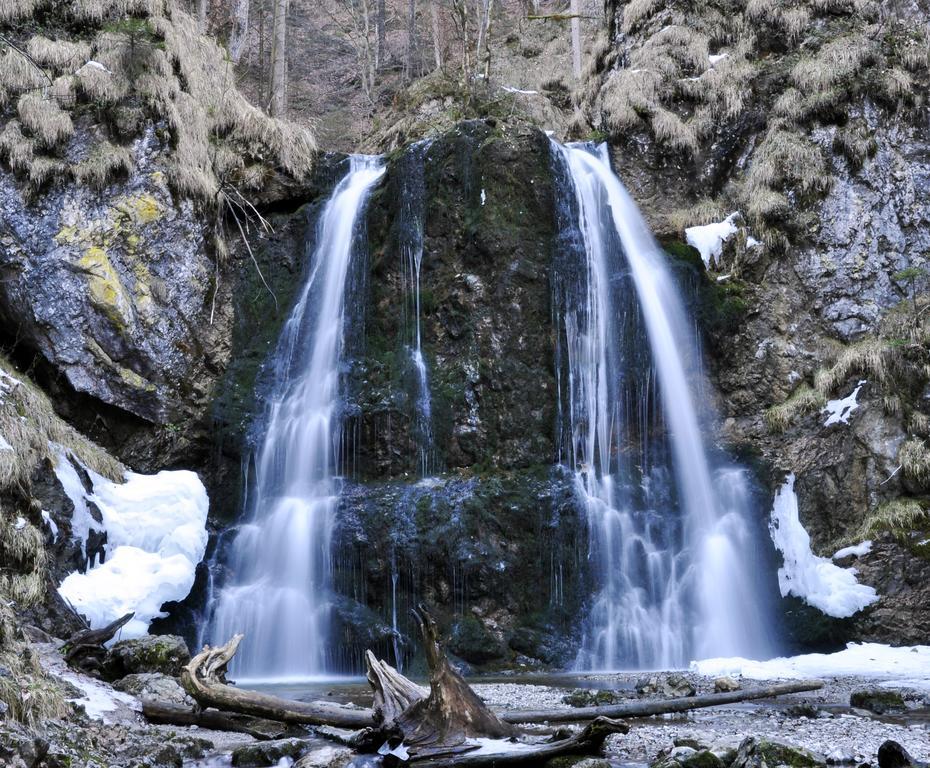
(576, 41)
(394, 693)
(258, 728)
(409, 58)
(589, 741)
(656, 706)
(278, 104)
(437, 33)
(380, 42)
(452, 712)
(240, 30)
(202, 15)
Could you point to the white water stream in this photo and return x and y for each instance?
(673, 566)
(279, 591)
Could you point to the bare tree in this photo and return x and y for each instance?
(278, 103)
(576, 40)
(380, 22)
(411, 41)
(202, 14)
(437, 33)
(240, 30)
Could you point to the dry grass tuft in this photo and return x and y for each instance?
(58, 55)
(95, 11)
(18, 10)
(17, 149)
(44, 119)
(900, 517)
(915, 461)
(803, 400)
(103, 165)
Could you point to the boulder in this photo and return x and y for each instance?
(264, 753)
(165, 654)
(726, 684)
(586, 697)
(155, 686)
(877, 700)
(326, 756)
(893, 755)
(756, 753)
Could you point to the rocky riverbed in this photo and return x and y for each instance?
(106, 726)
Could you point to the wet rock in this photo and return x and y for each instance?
(893, 755)
(264, 753)
(586, 697)
(165, 654)
(327, 756)
(803, 709)
(548, 647)
(877, 700)
(155, 686)
(758, 753)
(726, 685)
(674, 685)
(577, 761)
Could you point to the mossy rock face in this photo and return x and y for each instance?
(878, 700)
(473, 643)
(166, 654)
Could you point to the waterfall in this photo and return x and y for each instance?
(410, 242)
(671, 542)
(278, 593)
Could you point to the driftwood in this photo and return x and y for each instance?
(589, 741)
(204, 678)
(656, 707)
(452, 712)
(394, 693)
(85, 649)
(167, 714)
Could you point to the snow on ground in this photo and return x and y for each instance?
(858, 550)
(816, 580)
(709, 239)
(839, 411)
(869, 660)
(156, 529)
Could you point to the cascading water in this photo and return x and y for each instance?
(671, 551)
(410, 238)
(278, 594)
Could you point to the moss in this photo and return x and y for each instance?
(141, 208)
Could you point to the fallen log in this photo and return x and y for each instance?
(589, 741)
(85, 649)
(656, 707)
(204, 678)
(394, 693)
(213, 719)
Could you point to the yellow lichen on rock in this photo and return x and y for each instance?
(106, 290)
(141, 208)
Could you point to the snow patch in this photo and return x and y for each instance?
(511, 89)
(709, 239)
(4, 445)
(858, 550)
(484, 197)
(908, 665)
(717, 57)
(839, 411)
(498, 746)
(816, 580)
(156, 535)
(751, 242)
(19, 524)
